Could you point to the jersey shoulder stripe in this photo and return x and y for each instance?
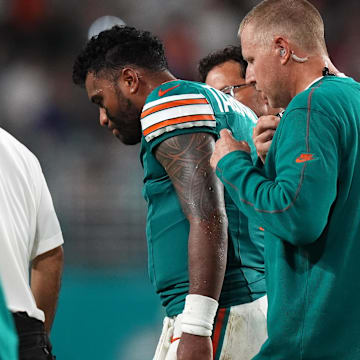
(171, 104)
(166, 99)
(176, 112)
(184, 123)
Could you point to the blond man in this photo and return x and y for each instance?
(308, 194)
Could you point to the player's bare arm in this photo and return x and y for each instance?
(46, 271)
(186, 160)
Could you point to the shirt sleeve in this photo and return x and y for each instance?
(185, 110)
(48, 234)
(295, 203)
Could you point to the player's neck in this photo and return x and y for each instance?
(150, 81)
(159, 78)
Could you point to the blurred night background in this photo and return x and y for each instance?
(107, 308)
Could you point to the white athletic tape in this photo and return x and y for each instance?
(198, 315)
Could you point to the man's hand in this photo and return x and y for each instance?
(225, 145)
(193, 347)
(263, 134)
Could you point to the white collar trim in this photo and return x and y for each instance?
(313, 82)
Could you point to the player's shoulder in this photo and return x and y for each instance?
(176, 104)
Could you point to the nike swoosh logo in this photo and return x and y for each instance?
(304, 157)
(174, 339)
(163, 92)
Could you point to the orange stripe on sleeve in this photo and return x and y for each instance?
(178, 120)
(173, 104)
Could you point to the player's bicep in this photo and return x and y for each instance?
(186, 160)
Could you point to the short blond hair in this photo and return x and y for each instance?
(297, 20)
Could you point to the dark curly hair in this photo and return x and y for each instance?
(115, 48)
(219, 57)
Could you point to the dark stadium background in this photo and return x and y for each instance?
(107, 309)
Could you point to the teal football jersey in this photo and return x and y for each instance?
(175, 108)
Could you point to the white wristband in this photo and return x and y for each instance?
(198, 315)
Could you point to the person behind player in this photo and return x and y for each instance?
(202, 262)
(30, 238)
(225, 70)
(308, 194)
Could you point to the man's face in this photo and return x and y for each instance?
(229, 73)
(116, 112)
(264, 68)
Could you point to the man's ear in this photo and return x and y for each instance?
(130, 81)
(282, 49)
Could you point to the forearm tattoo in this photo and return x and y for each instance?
(186, 160)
